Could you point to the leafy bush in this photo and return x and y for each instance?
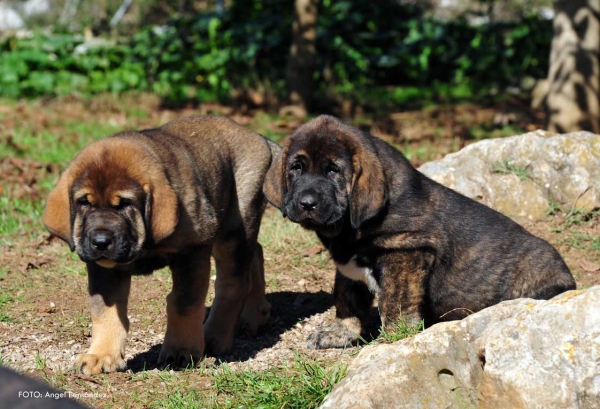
(360, 44)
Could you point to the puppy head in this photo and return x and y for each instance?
(328, 174)
(111, 200)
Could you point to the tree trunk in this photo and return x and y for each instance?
(573, 100)
(301, 63)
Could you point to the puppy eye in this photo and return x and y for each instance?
(124, 203)
(332, 171)
(83, 201)
(295, 168)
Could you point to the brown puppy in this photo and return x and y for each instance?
(427, 251)
(174, 195)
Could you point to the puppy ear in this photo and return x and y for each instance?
(59, 215)
(161, 210)
(275, 186)
(369, 191)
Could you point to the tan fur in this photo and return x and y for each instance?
(56, 214)
(191, 187)
(136, 164)
(106, 263)
(110, 326)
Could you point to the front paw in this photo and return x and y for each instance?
(93, 364)
(218, 342)
(179, 357)
(335, 335)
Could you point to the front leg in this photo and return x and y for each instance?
(402, 296)
(184, 339)
(109, 292)
(352, 300)
(257, 310)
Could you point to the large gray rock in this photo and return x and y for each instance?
(519, 175)
(518, 354)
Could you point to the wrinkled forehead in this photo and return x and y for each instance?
(105, 186)
(320, 145)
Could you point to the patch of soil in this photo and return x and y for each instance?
(21, 176)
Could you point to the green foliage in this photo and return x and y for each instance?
(40, 362)
(5, 298)
(553, 207)
(210, 56)
(17, 216)
(581, 241)
(400, 330)
(302, 385)
(505, 168)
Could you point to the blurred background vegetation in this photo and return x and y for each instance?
(368, 53)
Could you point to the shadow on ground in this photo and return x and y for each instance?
(287, 309)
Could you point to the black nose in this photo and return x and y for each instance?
(309, 201)
(101, 239)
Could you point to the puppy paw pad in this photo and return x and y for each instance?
(93, 364)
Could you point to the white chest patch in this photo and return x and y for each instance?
(357, 273)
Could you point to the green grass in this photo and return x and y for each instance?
(399, 331)
(575, 218)
(5, 318)
(48, 147)
(302, 384)
(419, 153)
(553, 208)
(184, 400)
(505, 168)
(489, 130)
(581, 241)
(264, 125)
(415, 97)
(279, 235)
(19, 216)
(40, 362)
(5, 299)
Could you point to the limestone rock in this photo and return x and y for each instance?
(519, 175)
(518, 354)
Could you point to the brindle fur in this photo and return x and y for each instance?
(174, 195)
(435, 254)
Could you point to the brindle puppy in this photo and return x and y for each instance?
(173, 195)
(427, 251)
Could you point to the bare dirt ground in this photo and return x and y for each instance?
(44, 320)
